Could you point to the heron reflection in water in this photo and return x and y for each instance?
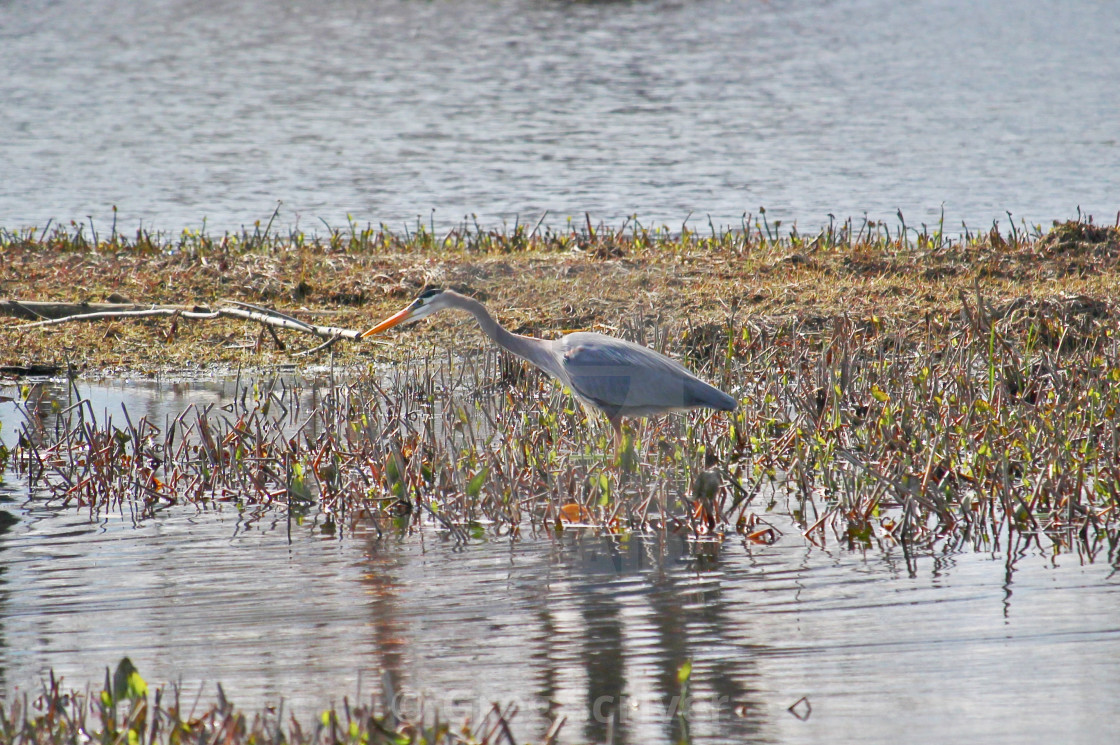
(616, 377)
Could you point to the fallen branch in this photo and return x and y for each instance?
(325, 345)
(37, 309)
(267, 311)
(102, 315)
(57, 313)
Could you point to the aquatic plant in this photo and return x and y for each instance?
(124, 712)
(958, 418)
(960, 430)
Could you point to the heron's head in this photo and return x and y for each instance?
(425, 304)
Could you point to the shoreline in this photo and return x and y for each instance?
(537, 283)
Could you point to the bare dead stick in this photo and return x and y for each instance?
(284, 323)
(275, 338)
(268, 312)
(270, 319)
(100, 316)
(325, 345)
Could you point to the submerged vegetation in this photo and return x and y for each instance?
(895, 386)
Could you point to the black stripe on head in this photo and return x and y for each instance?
(429, 293)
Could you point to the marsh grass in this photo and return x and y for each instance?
(125, 711)
(542, 280)
(895, 385)
(1000, 420)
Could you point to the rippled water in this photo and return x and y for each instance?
(179, 112)
(957, 646)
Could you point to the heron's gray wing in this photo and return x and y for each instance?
(626, 379)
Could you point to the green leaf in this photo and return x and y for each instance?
(127, 682)
(137, 688)
(474, 486)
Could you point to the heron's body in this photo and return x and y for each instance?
(614, 376)
(623, 379)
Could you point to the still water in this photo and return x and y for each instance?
(391, 111)
(952, 646)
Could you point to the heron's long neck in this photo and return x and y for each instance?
(536, 351)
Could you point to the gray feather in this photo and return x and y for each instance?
(626, 379)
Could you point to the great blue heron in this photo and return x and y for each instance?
(617, 377)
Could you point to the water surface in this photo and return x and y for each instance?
(940, 647)
(184, 112)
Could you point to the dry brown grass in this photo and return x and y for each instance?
(546, 283)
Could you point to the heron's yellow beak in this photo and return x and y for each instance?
(389, 322)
